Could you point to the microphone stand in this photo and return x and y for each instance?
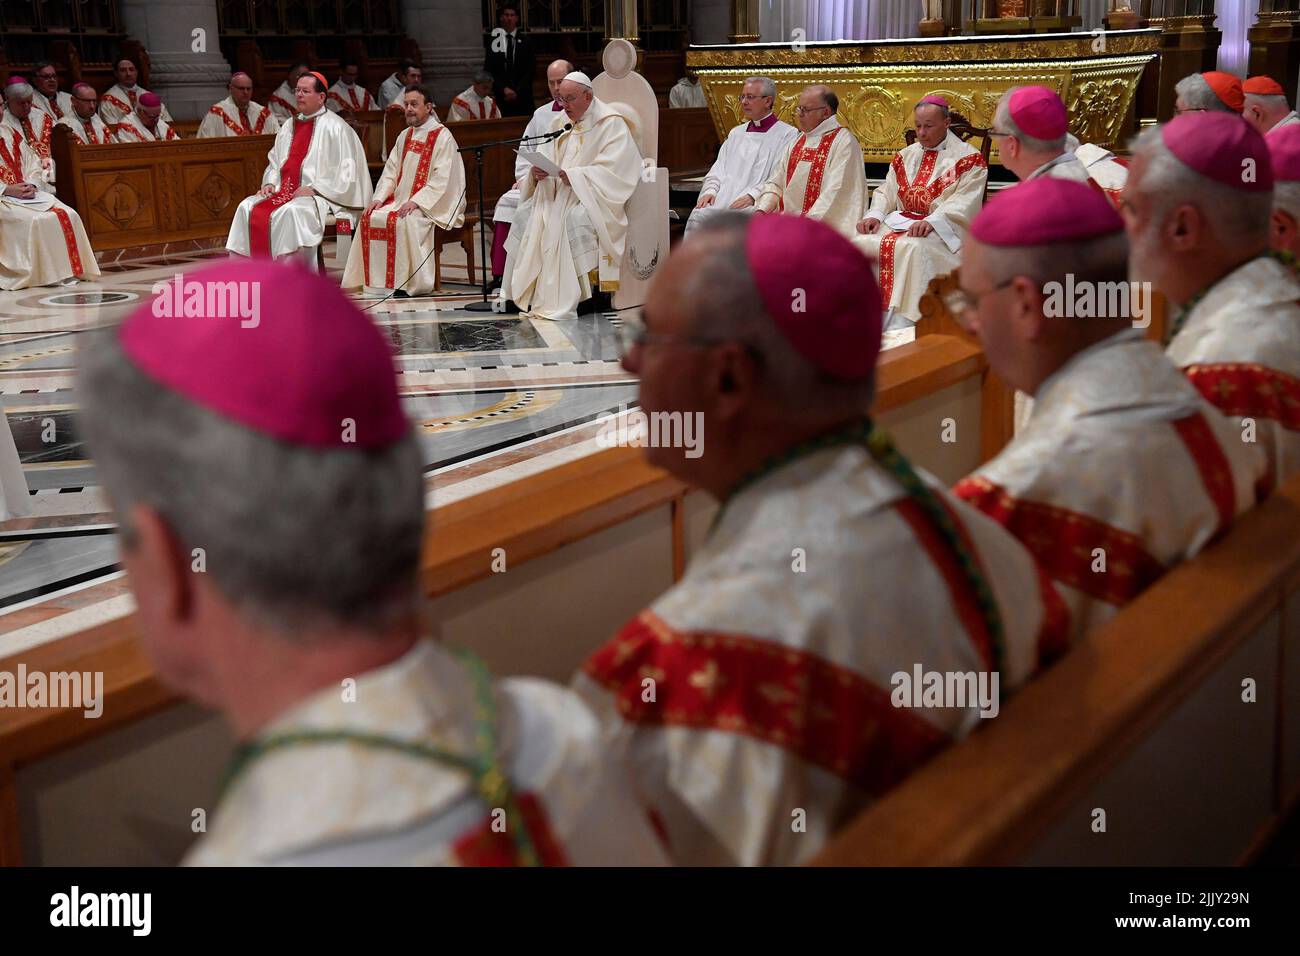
(479, 150)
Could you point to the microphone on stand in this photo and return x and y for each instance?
(554, 134)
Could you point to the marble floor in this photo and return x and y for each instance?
(495, 397)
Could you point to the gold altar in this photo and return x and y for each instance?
(878, 82)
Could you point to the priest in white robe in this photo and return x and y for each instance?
(748, 155)
(422, 189)
(47, 95)
(571, 227)
(119, 100)
(83, 119)
(919, 215)
(282, 101)
(476, 102)
(42, 241)
(821, 173)
(504, 213)
(317, 166)
(34, 125)
(145, 123)
(237, 114)
(347, 93)
(686, 93)
(408, 73)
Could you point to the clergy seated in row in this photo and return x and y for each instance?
(918, 218)
(395, 97)
(687, 93)
(832, 566)
(503, 215)
(1284, 227)
(347, 93)
(1212, 92)
(283, 101)
(120, 100)
(225, 436)
(747, 157)
(422, 189)
(1030, 126)
(42, 241)
(47, 95)
(1266, 107)
(570, 229)
(1198, 207)
(1123, 469)
(237, 114)
(820, 174)
(145, 124)
(475, 103)
(35, 126)
(407, 74)
(83, 119)
(316, 167)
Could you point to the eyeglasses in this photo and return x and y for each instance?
(810, 109)
(632, 332)
(752, 96)
(1190, 109)
(962, 304)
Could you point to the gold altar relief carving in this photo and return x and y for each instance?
(876, 101)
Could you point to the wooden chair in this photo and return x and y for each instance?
(465, 235)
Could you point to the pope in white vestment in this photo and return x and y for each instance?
(572, 227)
(316, 166)
(820, 174)
(747, 157)
(42, 241)
(422, 188)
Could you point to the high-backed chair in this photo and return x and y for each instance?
(623, 88)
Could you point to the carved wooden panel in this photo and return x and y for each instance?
(118, 200)
(212, 190)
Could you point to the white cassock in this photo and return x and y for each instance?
(564, 233)
(424, 167)
(42, 242)
(92, 132)
(348, 804)
(283, 102)
(538, 124)
(470, 106)
(391, 89)
(772, 697)
(355, 98)
(1240, 346)
(686, 94)
(1105, 169)
(943, 186)
(322, 152)
(37, 130)
(119, 102)
(820, 175)
(223, 119)
(131, 129)
(1120, 454)
(58, 106)
(744, 164)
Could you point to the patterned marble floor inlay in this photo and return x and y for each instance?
(493, 397)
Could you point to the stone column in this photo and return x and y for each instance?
(450, 36)
(188, 81)
(1275, 43)
(710, 21)
(621, 21)
(1189, 44)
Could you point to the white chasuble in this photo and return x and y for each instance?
(321, 152)
(562, 233)
(819, 175)
(389, 250)
(944, 187)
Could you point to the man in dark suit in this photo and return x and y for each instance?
(510, 61)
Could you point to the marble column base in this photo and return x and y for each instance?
(189, 83)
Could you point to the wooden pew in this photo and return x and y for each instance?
(152, 194)
(688, 141)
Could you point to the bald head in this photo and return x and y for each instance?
(555, 74)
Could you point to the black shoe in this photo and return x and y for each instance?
(401, 294)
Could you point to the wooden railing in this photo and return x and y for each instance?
(1077, 733)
